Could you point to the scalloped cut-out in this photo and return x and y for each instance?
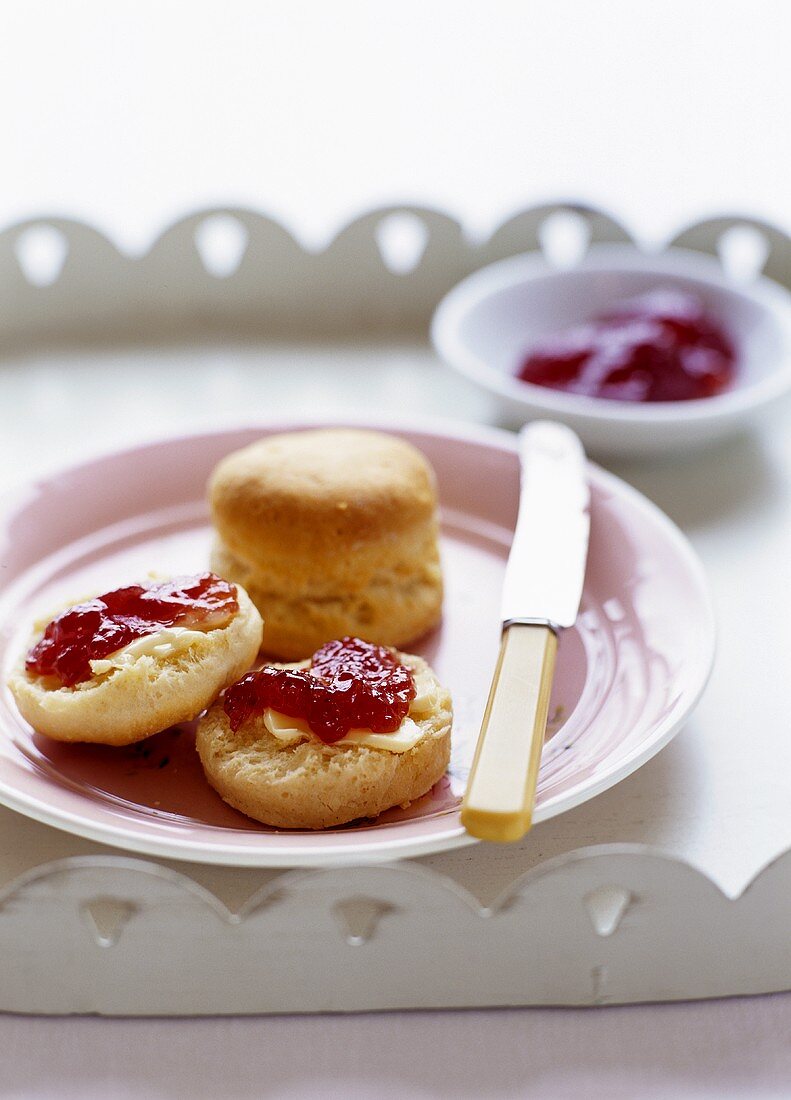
(221, 241)
(359, 918)
(401, 239)
(743, 251)
(564, 237)
(41, 252)
(107, 918)
(606, 907)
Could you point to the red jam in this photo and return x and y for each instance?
(662, 346)
(351, 684)
(95, 629)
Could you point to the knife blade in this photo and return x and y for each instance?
(546, 564)
(541, 596)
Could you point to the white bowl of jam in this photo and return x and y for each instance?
(638, 353)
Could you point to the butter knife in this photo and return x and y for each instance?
(541, 597)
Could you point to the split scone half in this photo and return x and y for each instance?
(275, 770)
(164, 677)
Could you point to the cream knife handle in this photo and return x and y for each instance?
(498, 804)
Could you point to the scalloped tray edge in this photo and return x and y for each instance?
(602, 925)
(267, 284)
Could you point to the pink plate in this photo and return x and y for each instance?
(628, 673)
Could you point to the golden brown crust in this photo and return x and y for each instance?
(313, 513)
(391, 611)
(129, 704)
(310, 785)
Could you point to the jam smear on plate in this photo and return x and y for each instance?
(661, 346)
(350, 684)
(100, 627)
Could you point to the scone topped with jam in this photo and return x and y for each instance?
(332, 532)
(351, 732)
(131, 662)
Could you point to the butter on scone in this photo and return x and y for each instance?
(124, 665)
(330, 740)
(331, 532)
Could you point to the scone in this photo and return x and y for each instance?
(332, 532)
(179, 643)
(274, 768)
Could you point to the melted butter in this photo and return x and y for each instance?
(426, 693)
(292, 730)
(161, 645)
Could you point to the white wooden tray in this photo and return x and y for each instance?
(639, 895)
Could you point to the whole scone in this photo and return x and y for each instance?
(332, 532)
(311, 785)
(152, 692)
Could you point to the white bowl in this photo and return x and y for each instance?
(484, 327)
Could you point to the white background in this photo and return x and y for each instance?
(130, 114)
(127, 114)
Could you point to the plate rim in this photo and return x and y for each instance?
(327, 854)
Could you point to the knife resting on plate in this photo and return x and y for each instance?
(541, 596)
